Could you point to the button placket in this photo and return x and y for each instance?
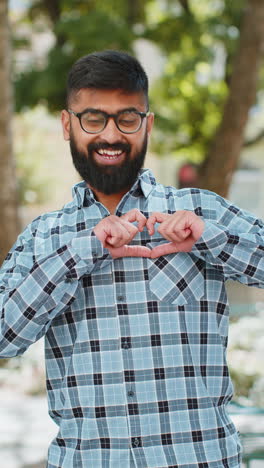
(126, 345)
(119, 278)
(119, 283)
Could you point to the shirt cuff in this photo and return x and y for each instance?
(88, 253)
(213, 240)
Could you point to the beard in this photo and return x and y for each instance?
(108, 179)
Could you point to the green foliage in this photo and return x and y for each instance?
(82, 32)
(187, 112)
(197, 42)
(81, 29)
(242, 383)
(188, 99)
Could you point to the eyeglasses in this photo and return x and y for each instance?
(95, 121)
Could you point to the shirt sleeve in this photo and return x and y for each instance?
(33, 292)
(234, 244)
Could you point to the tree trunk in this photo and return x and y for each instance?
(8, 193)
(135, 12)
(54, 8)
(222, 160)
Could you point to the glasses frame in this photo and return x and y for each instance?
(108, 116)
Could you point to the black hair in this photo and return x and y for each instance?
(109, 69)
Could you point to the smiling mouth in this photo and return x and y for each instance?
(110, 155)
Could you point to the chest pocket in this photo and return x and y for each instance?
(176, 278)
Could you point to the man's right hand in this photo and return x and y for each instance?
(116, 233)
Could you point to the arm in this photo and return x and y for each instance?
(33, 292)
(232, 242)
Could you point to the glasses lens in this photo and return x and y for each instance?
(129, 122)
(93, 122)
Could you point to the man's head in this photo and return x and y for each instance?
(109, 69)
(108, 123)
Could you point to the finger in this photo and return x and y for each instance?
(130, 251)
(136, 251)
(108, 226)
(135, 215)
(121, 234)
(172, 232)
(187, 220)
(197, 229)
(164, 249)
(153, 219)
(116, 236)
(172, 247)
(130, 228)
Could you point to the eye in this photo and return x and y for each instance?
(128, 119)
(93, 120)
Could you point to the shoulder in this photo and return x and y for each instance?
(202, 202)
(49, 223)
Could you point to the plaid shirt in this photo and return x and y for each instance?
(135, 347)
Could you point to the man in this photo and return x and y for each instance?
(126, 282)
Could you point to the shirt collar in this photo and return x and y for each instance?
(147, 181)
(83, 196)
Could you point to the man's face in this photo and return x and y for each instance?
(108, 161)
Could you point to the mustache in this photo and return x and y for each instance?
(125, 147)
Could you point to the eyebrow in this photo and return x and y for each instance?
(126, 109)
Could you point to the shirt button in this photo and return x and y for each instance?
(94, 254)
(121, 298)
(125, 345)
(69, 280)
(131, 393)
(135, 442)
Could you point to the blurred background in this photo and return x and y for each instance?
(205, 64)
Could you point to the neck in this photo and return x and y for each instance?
(109, 201)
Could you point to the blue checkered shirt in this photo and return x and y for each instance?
(135, 347)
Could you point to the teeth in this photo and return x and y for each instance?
(109, 153)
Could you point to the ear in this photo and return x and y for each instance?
(150, 123)
(66, 124)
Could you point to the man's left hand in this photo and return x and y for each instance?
(182, 229)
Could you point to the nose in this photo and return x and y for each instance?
(111, 133)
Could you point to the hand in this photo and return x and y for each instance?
(116, 233)
(182, 229)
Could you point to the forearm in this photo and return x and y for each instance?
(46, 291)
(239, 255)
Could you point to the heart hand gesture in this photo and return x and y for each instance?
(116, 233)
(182, 229)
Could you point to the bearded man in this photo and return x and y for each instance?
(127, 283)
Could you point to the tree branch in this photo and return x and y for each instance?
(185, 5)
(53, 8)
(54, 11)
(254, 140)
